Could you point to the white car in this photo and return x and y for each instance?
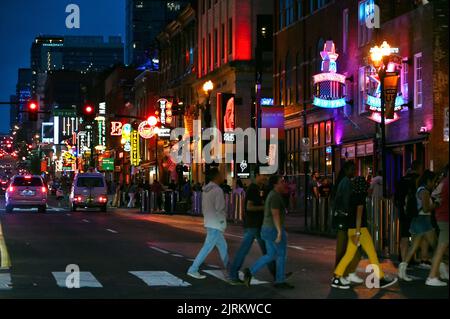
(89, 190)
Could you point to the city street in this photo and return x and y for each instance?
(124, 254)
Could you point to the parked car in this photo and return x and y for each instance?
(89, 191)
(26, 191)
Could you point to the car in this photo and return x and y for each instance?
(26, 191)
(89, 191)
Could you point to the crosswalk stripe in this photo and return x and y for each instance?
(5, 281)
(87, 279)
(159, 249)
(160, 278)
(219, 275)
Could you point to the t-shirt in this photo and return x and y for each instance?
(442, 209)
(325, 190)
(357, 199)
(274, 201)
(254, 219)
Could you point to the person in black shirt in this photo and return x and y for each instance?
(358, 235)
(253, 219)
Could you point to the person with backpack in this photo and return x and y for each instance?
(341, 195)
(421, 226)
(358, 235)
(406, 187)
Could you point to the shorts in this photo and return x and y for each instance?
(443, 232)
(421, 225)
(405, 225)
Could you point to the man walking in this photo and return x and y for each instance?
(253, 220)
(274, 235)
(213, 206)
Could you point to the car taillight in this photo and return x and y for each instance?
(77, 198)
(11, 189)
(102, 199)
(43, 189)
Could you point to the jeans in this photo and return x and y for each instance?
(250, 234)
(214, 238)
(275, 252)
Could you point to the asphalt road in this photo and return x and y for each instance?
(123, 254)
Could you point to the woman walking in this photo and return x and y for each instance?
(421, 226)
(358, 235)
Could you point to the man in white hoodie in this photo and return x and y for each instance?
(213, 207)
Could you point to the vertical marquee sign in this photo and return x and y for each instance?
(135, 153)
(164, 113)
(329, 85)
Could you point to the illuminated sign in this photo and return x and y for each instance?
(116, 128)
(375, 103)
(329, 86)
(266, 101)
(135, 153)
(126, 137)
(145, 130)
(163, 132)
(376, 117)
(165, 111)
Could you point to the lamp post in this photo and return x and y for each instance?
(380, 57)
(208, 86)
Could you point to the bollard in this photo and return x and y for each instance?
(197, 203)
(238, 201)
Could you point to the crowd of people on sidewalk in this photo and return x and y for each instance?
(421, 198)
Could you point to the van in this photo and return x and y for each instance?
(89, 190)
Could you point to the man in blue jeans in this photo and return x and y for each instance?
(253, 219)
(273, 234)
(213, 207)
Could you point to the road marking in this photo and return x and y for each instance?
(296, 247)
(219, 274)
(111, 231)
(86, 221)
(213, 266)
(5, 281)
(160, 250)
(177, 255)
(87, 279)
(160, 278)
(4, 254)
(68, 214)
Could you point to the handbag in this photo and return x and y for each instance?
(340, 220)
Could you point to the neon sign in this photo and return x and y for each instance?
(116, 129)
(374, 103)
(376, 117)
(329, 85)
(145, 130)
(266, 101)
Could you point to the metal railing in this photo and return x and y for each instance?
(165, 202)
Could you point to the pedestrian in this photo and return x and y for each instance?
(376, 191)
(225, 187)
(359, 235)
(341, 205)
(215, 222)
(124, 192)
(157, 189)
(407, 185)
(116, 200)
(253, 220)
(421, 227)
(274, 235)
(438, 268)
(132, 194)
(325, 188)
(172, 185)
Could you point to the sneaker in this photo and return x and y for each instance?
(402, 272)
(354, 278)
(435, 282)
(384, 283)
(247, 277)
(443, 271)
(196, 275)
(345, 281)
(236, 282)
(337, 283)
(425, 264)
(284, 285)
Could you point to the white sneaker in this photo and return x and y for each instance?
(402, 272)
(443, 271)
(435, 282)
(344, 281)
(354, 278)
(196, 275)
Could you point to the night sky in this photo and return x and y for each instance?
(22, 20)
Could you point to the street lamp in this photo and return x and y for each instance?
(380, 57)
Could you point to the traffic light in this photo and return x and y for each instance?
(32, 109)
(88, 113)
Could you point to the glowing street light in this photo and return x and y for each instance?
(208, 86)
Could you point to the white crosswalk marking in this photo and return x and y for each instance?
(87, 279)
(160, 278)
(219, 274)
(5, 281)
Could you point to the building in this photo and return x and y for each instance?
(229, 35)
(23, 92)
(419, 31)
(13, 111)
(145, 19)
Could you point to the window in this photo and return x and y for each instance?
(280, 85)
(209, 61)
(404, 82)
(344, 30)
(90, 182)
(23, 181)
(216, 52)
(222, 46)
(366, 10)
(362, 89)
(204, 57)
(297, 78)
(288, 75)
(230, 36)
(289, 8)
(418, 92)
(281, 14)
(299, 9)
